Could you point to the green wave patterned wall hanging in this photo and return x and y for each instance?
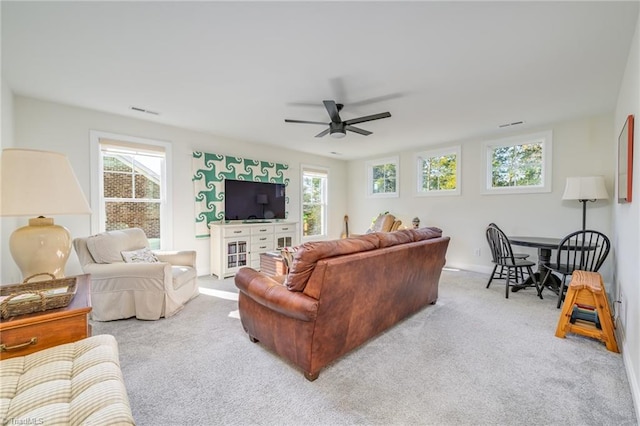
(209, 173)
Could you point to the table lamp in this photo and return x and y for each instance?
(38, 183)
(583, 189)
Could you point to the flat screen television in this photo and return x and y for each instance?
(248, 200)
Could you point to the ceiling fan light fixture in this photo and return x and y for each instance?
(337, 133)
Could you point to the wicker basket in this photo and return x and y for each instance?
(25, 298)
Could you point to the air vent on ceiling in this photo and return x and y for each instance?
(515, 123)
(144, 110)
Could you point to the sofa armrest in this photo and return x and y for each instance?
(273, 295)
(112, 270)
(180, 257)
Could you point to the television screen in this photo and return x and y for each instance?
(248, 200)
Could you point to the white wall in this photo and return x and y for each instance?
(54, 127)
(580, 148)
(626, 219)
(7, 225)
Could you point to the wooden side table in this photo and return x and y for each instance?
(271, 264)
(25, 334)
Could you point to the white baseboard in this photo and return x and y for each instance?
(629, 367)
(482, 269)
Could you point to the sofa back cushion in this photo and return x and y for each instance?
(309, 253)
(426, 233)
(107, 247)
(388, 239)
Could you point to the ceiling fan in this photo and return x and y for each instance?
(337, 127)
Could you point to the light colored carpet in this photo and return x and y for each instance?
(474, 358)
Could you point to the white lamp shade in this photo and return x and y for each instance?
(39, 183)
(585, 188)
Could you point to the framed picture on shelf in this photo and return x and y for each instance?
(625, 161)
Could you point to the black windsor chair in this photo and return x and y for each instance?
(502, 255)
(581, 250)
(500, 274)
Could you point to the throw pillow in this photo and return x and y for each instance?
(143, 255)
(287, 256)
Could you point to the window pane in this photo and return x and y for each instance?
(384, 178)
(314, 198)
(117, 185)
(145, 215)
(118, 163)
(146, 187)
(312, 192)
(517, 165)
(439, 173)
(311, 220)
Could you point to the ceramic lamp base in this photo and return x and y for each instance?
(41, 247)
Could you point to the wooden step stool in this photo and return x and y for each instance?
(586, 289)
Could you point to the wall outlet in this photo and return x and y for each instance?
(477, 252)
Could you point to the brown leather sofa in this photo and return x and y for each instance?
(341, 293)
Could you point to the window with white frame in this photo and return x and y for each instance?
(519, 164)
(438, 172)
(132, 189)
(383, 177)
(314, 202)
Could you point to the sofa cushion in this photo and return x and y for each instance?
(71, 384)
(107, 247)
(388, 239)
(182, 275)
(309, 253)
(426, 233)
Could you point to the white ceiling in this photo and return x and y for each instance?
(446, 71)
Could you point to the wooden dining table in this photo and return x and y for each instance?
(545, 246)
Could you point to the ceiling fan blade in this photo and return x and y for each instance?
(376, 99)
(286, 120)
(368, 118)
(332, 109)
(322, 133)
(357, 130)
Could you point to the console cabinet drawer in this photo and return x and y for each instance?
(262, 239)
(235, 232)
(262, 229)
(285, 229)
(261, 247)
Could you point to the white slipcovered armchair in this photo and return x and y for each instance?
(149, 285)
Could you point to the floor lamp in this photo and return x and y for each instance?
(39, 183)
(585, 189)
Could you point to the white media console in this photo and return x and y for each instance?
(238, 244)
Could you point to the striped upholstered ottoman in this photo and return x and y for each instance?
(73, 384)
